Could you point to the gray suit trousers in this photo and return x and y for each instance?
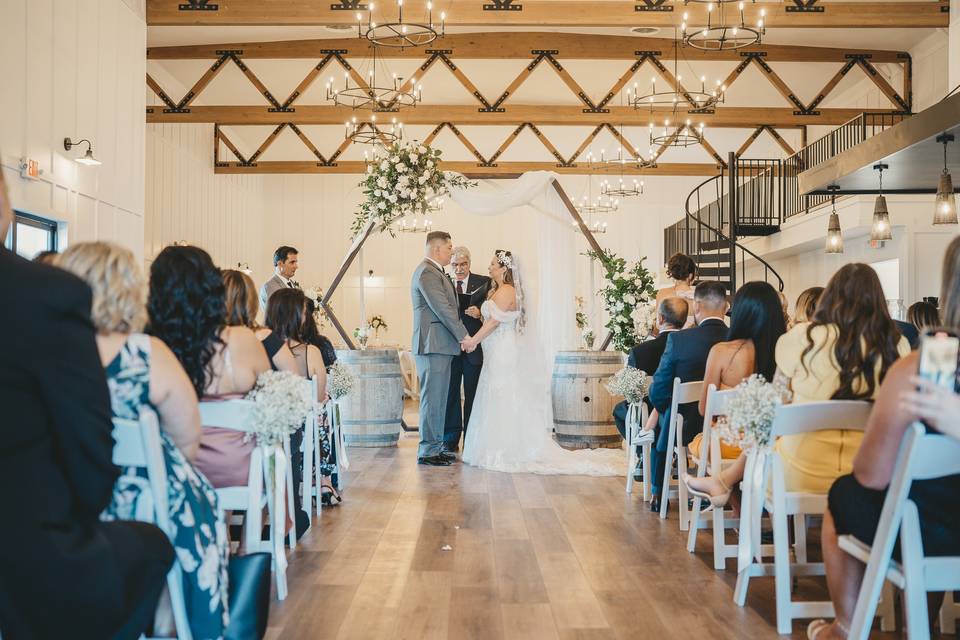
(433, 370)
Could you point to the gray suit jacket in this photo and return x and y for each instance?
(437, 328)
(271, 285)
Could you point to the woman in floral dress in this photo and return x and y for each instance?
(144, 375)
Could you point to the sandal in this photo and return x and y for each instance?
(815, 628)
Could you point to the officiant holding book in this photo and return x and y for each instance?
(472, 290)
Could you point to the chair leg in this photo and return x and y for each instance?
(719, 539)
(781, 560)
(800, 537)
(683, 497)
(667, 474)
(743, 584)
(694, 525)
(647, 473)
(631, 454)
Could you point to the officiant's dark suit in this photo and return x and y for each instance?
(685, 357)
(471, 292)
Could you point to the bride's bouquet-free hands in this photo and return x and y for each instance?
(469, 344)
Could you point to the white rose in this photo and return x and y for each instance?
(381, 182)
(392, 198)
(395, 159)
(422, 179)
(429, 164)
(384, 165)
(401, 168)
(630, 299)
(414, 157)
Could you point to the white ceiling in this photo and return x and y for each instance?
(896, 39)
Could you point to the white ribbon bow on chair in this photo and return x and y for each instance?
(754, 490)
(335, 433)
(633, 418)
(279, 497)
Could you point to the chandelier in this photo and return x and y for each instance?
(683, 136)
(401, 34)
(369, 133)
(374, 93)
(700, 100)
(621, 188)
(719, 36)
(421, 225)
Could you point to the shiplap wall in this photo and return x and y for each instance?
(185, 201)
(75, 68)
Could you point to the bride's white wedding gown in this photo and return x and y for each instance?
(510, 426)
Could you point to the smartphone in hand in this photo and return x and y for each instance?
(939, 351)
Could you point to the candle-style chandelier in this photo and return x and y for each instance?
(684, 135)
(370, 132)
(401, 34)
(698, 100)
(374, 93)
(720, 36)
(622, 188)
(421, 225)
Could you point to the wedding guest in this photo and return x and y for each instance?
(685, 357)
(784, 307)
(330, 481)
(472, 290)
(923, 316)
(856, 499)
(683, 271)
(756, 324)
(144, 375)
(312, 335)
(187, 310)
(242, 309)
(806, 305)
(671, 316)
(843, 353)
(63, 572)
(285, 265)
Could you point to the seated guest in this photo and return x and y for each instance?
(46, 257)
(685, 357)
(923, 316)
(806, 305)
(143, 373)
(671, 316)
(330, 484)
(785, 307)
(843, 353)
(187, 311)
(63, 572)
(313, 336)
(242, 308)
(682, 270)
(756, 323)
(856, 500)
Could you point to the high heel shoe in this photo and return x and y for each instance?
(715, 502)
(330, 496)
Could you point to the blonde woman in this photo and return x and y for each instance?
(806, 304)
(143, 374)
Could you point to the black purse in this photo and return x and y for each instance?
(249, 596)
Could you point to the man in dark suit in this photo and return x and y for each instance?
(685, 357)
(471, 291)
(62, 571)
(671, 316)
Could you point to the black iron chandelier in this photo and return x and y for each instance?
(705, 98)
(720, 36)
(372, 133)
(373, 93)
(401, 34)
(685, 135)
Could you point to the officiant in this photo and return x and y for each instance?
(472, 290)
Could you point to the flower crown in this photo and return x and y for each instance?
(505, 259)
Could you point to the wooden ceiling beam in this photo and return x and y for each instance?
(470, 169)
(543, 13)
(513, 115)
(501, 45)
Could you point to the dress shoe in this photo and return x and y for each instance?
(434, 461)
(655, 504)
(447, 455)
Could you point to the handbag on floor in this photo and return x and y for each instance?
(249, 596)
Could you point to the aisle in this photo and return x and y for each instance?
(528, 557)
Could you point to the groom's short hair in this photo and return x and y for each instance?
(437, 236)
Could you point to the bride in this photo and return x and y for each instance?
(510, 427)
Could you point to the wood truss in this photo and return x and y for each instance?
(598, 112)
(542, 13)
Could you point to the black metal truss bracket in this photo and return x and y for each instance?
(804, 6)
(502, 5)
(198, 5)
(653, 5)
(348, 5)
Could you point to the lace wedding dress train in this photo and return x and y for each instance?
(510, 427)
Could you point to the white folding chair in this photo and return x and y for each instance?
(311, 455)
(710, 459)
(683, 393)
(251, 499)
(137, 444)
(850, 415)
(922, 456)
(637, 414)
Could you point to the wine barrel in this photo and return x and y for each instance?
(582, 406)
(371, 414)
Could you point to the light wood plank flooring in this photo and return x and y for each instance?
(424, 552)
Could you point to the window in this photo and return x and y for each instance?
(30, 235)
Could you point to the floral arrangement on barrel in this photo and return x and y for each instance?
(281, 402)
(377, 323)
(628, 285)
(402, 180)
(630, 383)
(583, 325)
(750, 412)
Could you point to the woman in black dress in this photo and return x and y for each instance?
(328, 458)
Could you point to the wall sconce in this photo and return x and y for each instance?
(370, 274)
(87, 158)
(243, 267)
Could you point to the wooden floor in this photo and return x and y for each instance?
(457, 552)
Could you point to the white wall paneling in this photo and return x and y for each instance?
(75, 69)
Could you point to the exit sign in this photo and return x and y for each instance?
(30, 169)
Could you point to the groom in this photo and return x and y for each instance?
(437, 333)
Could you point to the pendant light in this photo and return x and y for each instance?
(945, 211)
(880, 230)
(834, 236)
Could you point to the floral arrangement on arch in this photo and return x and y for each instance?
(281, 402)
(630, 383)
(402, 180)
(750, 412)
(628, 285)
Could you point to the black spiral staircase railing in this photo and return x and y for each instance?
(744, 200)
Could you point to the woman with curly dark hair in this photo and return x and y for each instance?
(683, 271)
(187, 310)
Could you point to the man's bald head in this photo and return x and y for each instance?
(672, 313)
